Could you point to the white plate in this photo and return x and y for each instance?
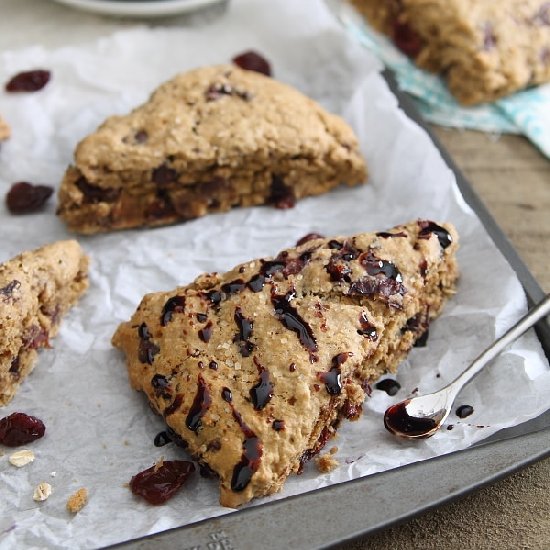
(147, 8)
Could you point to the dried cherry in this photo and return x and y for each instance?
(406, 39)
(19, 428)
(308, 237)
(26, 198)
(281, 196)
(160, 482)
(253, 61)
(28, 81)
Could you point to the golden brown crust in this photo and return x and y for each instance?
(254, 369)
(36, 290)
(206, 141)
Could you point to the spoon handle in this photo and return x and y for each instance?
(538, 312)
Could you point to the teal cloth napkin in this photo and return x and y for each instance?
(526, 112)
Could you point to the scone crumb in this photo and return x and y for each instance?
(5, 130)
(333, 450)
(21, 458)
(77, 500)
(326, 463)
(42, 491)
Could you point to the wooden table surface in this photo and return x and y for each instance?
(513, 180)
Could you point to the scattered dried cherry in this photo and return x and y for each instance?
(160, 482)
(281, 195)
(406, 39)
(308, 237)
(252, 61)
(28, 81)
(94, 194)
(20, 428)
(26, 198)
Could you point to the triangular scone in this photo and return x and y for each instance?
(255, 369)
(36, 290)
(206, 141)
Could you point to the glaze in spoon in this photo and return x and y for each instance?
(420, 417)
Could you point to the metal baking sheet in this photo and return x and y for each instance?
(305, 521)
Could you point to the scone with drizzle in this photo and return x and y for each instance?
(206, 141)
(36, 289)
(255, 369)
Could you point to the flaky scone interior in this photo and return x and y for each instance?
(254, 369)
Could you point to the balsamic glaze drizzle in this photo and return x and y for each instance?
(175, 304)
(428, 227)
(333, 378)
(367, 329)
(251, 456)
(147, 349)
(206, 332)
(262, 392)
(199, 407)
(288, 315)
(245, 327)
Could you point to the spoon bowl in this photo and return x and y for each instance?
(422, 416)
(417, 418)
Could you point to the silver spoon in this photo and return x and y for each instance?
(420, 417)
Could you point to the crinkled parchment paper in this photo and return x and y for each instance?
(99, 431)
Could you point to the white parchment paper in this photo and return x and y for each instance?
(99, 431)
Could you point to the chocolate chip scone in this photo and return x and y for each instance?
(36, 290)
(485, 49)
(254, 369)
(206, 141)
